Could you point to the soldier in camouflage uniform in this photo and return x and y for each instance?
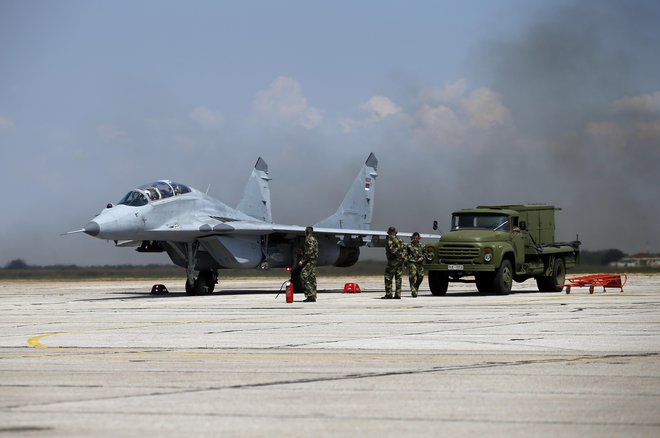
(415, 263)
(308, 263)
(395, 252)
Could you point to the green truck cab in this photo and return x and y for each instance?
(495, 245)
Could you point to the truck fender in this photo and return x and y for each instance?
(505, 252)
(511, 256)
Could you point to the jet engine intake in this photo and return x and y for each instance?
(150, 246)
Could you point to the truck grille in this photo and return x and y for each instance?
(457, 253)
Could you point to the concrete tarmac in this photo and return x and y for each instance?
(107, 358)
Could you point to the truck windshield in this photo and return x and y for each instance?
(483, 221)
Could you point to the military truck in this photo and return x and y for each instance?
(495, 245)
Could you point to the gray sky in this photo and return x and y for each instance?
(463, 103)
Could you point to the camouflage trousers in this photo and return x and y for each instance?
(415, 275)
(308, 277)
(393, 271)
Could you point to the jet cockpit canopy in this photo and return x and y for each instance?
(153, 192)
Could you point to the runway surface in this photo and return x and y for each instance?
(107, 358)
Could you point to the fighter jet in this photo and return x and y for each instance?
(203, 235)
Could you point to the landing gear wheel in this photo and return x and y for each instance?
(503, 278)
(190, 288)
(204, 283)
(438, 282)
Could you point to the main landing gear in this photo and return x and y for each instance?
(204, 283)
(206, 279)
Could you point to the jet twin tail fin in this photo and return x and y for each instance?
(356, 210)
(256, 197)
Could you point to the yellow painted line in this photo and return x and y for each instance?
(128, 353)
(36, 341)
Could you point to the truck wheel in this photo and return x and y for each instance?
(484, 282)
(542, 284)
(503, 278)
(555, 282)
(438, 282)
(558, 278)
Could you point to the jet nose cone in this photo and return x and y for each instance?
(92, 228)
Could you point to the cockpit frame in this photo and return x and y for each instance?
(156, 191)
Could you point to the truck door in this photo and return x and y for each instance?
(518, 242)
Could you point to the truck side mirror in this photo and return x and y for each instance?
(523, 225)
(435, 225)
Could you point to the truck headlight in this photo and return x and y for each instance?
(429, 253)
(488, 255)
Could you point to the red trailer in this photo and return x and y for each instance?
(604, 280)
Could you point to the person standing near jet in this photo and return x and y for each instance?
(395, 252)
(308, 263)
(415, 263)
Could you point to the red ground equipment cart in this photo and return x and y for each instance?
(604, 280)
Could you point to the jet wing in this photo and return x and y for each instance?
(187, 230)
(375, 237)
(204, 226)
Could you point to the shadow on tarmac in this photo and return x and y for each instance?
(274, 292)
(179, 294)
(490, 294)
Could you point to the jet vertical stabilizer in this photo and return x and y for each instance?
(256, 197)
(356, 210)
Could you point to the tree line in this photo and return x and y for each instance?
(591, 258)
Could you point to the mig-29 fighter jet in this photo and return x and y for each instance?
(203, 235)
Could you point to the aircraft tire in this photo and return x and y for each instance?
(197, 288)
(206, 279)
(204, 283)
